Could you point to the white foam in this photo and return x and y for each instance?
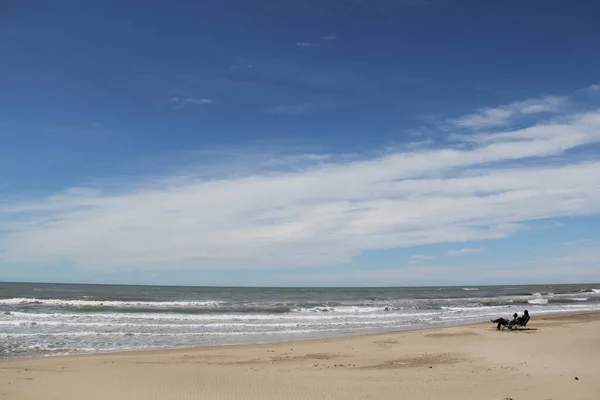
(469, 289)
(538, 301)
(342, 309)
(115, 304)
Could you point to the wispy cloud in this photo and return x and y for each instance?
(504, 115)
(330, 37)
(420, 258)
(306, 44)
(324, 212)
(578, 242)
(464, 252)
(419, 145)
(181, 102)
(593, 88)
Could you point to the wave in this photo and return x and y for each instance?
(502, 303)
(133, 335)
(192, 310)
(128, 329)
(577, 291)
(108, 303)
(103, 305)
(211, 309)
(214, 307)
(567, 300)
(186, 307)
(538, 301)
(51, 349)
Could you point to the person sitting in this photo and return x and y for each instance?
(504, 322)
(514, 321)
(521, 321)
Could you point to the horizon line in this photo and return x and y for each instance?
(298, 287)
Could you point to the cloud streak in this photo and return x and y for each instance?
(501, 116)
(327, 38)
(320, 211)
(464, 252)
(420, 258)
(306, 44)
(181, 102)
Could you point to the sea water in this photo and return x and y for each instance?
(57, 319)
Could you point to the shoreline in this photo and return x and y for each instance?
(285, 342)
(55, 321)
(555, 359)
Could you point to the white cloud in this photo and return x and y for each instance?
(330, 37)
(578, 242)
(464, 252)
(593, 88)
(182, 102)
(321, 212)
(419, 258)
(504, 115)
(305, 44)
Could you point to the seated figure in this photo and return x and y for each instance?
(501, 322)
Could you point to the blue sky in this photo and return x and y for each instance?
(338, 142)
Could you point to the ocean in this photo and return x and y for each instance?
(59, 319)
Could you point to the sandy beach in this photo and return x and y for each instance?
(557, 358)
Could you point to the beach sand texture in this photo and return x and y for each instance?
(556, 359)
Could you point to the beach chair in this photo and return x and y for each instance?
(521, 323)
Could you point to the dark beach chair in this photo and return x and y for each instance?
(521, 323)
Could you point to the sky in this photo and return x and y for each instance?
(300, 143)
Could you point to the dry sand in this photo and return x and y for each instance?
(557, 359)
